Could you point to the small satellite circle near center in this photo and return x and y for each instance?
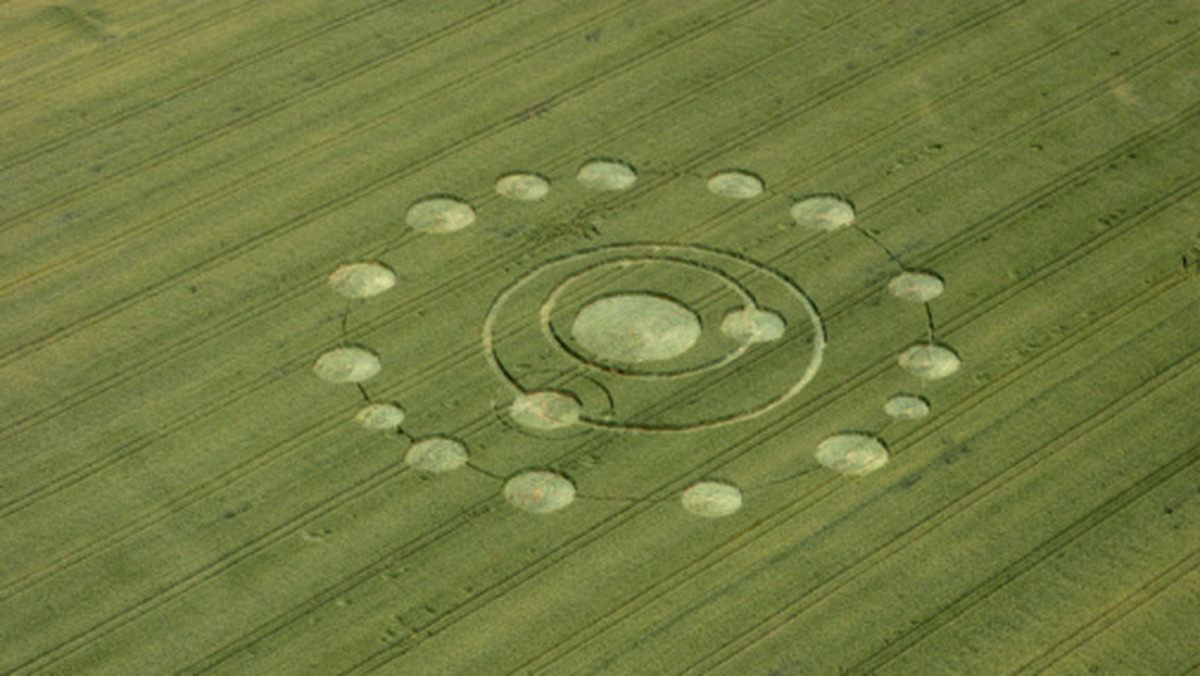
(545, 410)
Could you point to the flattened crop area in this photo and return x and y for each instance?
(739, 337)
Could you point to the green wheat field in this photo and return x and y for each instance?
(637, 262)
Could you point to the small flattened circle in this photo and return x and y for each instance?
(347, 365)
(852, 454)
(607, 175)
(929, 361)
(823, 212)
(440, 214)
(752, 325)
(539, 491)
(362, 280)
(523, 186)
(711, 499)
(920, 287)
(545, 410)
(635, 328)
(380, 416)
(735, 184)
(436, 454)
(906, 407)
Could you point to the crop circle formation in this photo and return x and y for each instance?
(641, 338)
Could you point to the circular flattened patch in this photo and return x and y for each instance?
(609, 175)
(436, 454)
(853, 454)
(735, 184)
(920, 287)
(522, 186)
(906, 407)
(752, 325)
(440, 214)
(347, 365)
(635, 328)
(929, 361)
(380, 416)
(545, 410)
(711, 499)
(823, 212)
(539, 491)
(362, 280)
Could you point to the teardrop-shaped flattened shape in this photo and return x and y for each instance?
(852, 454)
(635, 328)
(523, 186)
(380, 416)
(539, 491)
(545, 410)
(440, 214)
(907, 407)
(753, 325)
(735, 184)
(920, 287)
(929, 361)
(711, 499)
(607, 175)
(347, 365)
(362, 280)
(823, 212)
(436, 454)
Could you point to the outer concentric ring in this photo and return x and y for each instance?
(676, 253)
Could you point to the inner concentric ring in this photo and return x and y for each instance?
(711, 349)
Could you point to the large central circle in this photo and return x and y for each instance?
(635, 328)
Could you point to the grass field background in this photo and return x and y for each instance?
(180, 493)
